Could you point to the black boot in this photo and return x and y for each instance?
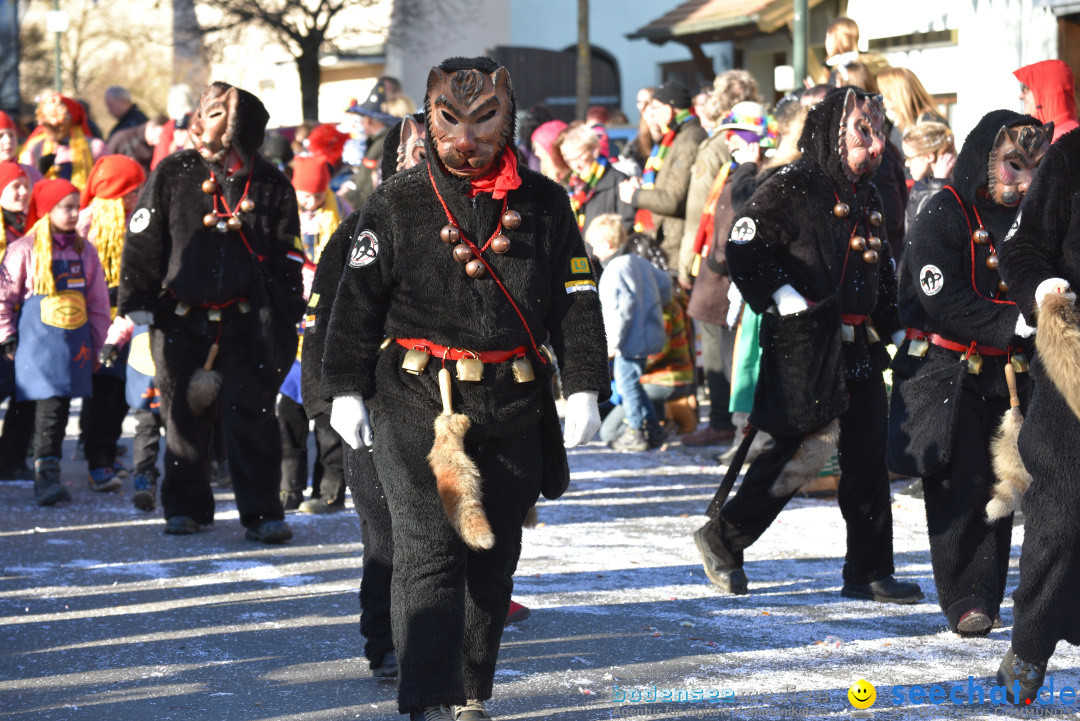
(884, 590)
(721, 569)
(47, 487)
(1015, 673)
(655, 433)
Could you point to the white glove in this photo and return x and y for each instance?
(141, 317)
(1053, 285)
(582, 418)
(1022, 328)
(349, 417)
(898, 338)
(789, 301)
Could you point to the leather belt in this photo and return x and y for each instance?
(939, 341)
(441, 351)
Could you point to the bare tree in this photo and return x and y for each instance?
(301, 26)
(189, 52)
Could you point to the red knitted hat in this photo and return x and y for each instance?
(113, 176)
(8, 172)
(45, 196)
(328, 142)
(311, 174)
(6, 123)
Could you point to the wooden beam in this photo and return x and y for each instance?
(701, 60)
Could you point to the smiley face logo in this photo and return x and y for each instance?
(862, 694)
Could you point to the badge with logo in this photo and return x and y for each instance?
(931, 280)
(140, 220)
(365, 250)
(743, 231)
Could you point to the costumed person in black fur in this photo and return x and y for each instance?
(212, 263)
(463, 265)
(806, 253)
(949, 385)
(1040, 260)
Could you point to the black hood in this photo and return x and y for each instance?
(250, 124)
(450, 65)
(820, 139)
(391, 141)
(973, 163)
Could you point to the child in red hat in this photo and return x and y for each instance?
(62, 145)
(319, 218)
(54, 316)
(107, 201)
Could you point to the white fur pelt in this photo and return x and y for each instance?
(458, 482)
(1058, 344)
(1013, 478)
(806, 464)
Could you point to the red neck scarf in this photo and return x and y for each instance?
(500, 181)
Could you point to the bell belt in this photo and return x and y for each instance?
(441, 351)
(939, 341)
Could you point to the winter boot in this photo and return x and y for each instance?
(104, 479)
(630, 439)
(145, 496)
(1016, 673)
(473, 710)
(47, 487)
(655, 434)
(432, 713)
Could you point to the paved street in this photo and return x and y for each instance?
(104, 617)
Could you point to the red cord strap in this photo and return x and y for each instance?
(971, 240)
(477, 252)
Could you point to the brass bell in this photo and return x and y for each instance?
(500, 244)
(511, 219)
(233, 223)
(841, 210)
(858, 243)
(992, 261)
(247, 205)
(974, 364)
(470, 370)
(873, 243)
(918, 347)
(209, 186)
(981, 236)
(462, 253)
(1003, 286)
(209, 220)
(475, 268)
(450, 234)
(870, 256)
(1019, 362)
(875, 219)
(523, 370)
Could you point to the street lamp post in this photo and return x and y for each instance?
(56, 22)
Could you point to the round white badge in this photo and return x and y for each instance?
(365, 250)
(1013, 228)
(744, 230)
(931, 280)
(140, 220)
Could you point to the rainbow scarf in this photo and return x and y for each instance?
(579, 199)
(708, 216)
(660, 150)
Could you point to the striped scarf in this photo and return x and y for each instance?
(708, 216)
(579, 199)
(41, 257)
(660, 150)
(107, 234)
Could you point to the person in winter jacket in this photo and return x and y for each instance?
(633, 293)
(930, 155)
(1048, 92)
(595, 184)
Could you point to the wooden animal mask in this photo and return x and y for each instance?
(861, 139)
(410, 150)
(213, 126)
(1014, 157)
(469, 119)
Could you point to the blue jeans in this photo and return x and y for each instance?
(635, 403)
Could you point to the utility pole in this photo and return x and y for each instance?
(57, 22)
(584, 60)
(800, 41)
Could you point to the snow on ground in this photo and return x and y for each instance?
(104, 617)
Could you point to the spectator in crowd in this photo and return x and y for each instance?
(1048, 92)
(664, 187)
(375, 120)
(637, 150)
(179, 106)
(327, 143)
(930, 156)
(595, 183)
(906, 100)
(54, 316)
(15, 189)
(841, 43)
(62, 145)
(543, 147)
(119, 104)
(139, 142)
(596, 119)
(633, 293)
(533, 118)
(9, 148)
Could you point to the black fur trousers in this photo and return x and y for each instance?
(448, 603)
(863, 494)
(252, 436)
(970, 557)
(1045, 602)
(370, 503)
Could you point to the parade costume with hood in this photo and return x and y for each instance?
(947, 403)
(813, 231)
(1054, 88)
(1041, 256)
(213, 258)
(407, 297)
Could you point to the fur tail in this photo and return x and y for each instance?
(532, 518)
(808, 461)
(203, 390)
(1013, 477)
(1058, 343)
(458, 482)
